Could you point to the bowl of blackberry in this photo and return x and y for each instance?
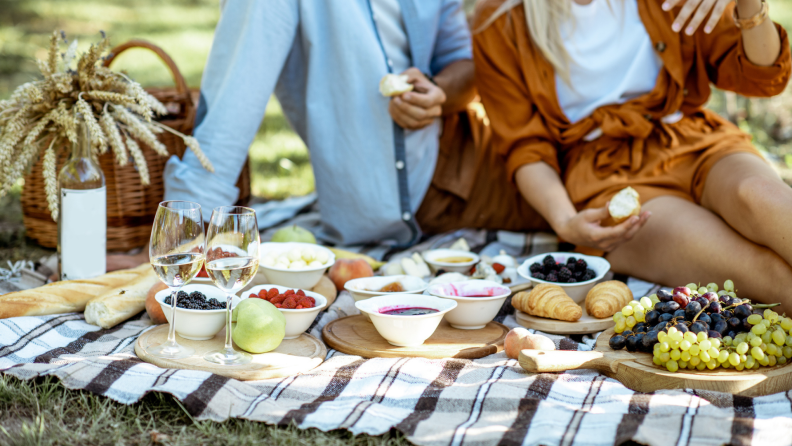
(698, 328)
(575, 273)
(200, 309)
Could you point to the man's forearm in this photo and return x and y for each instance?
(458, 82)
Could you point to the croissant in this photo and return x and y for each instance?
(607, 298)
(548, 301)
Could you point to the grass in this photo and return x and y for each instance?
(42, 412)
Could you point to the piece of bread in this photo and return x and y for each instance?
(121, 303)
(607, 298)
(624, 205)
(65, 296)
(548, 301)
(394, 85)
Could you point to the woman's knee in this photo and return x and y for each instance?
(757, 193)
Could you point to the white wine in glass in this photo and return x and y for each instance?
(176, 252)
(232, 258)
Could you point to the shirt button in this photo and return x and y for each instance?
(390, 63)
(406, 216)
(685, 92)
(400, 165)
(660, 47)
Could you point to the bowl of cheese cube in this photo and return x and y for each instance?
(295, 265)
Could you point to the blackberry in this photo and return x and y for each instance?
(197, 295)
(182, 295)
(572, 280)
(548, 268)
(579, 275)
(571, 261)
(552, 277)
(539, 276)
(564, 274)
(548, 260)
(589, 275)
(535, 268)
(581, 265)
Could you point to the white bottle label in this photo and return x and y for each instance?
(83, 238)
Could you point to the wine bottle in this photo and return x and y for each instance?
(82, 219)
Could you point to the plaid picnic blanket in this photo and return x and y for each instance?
(434, 402)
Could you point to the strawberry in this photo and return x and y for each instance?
(290, 302)
(498, 267)
(253, 295)
(289, 292)
(305, 302)
(278, 306)
(299, 307)
(301, 292)
(278, 299)
(272, 293)
(262, 294)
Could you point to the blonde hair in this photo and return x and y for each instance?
(543, 18)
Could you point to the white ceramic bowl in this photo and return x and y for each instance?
(433, 256)
(297, 321)
(471, 312)
(197, 325)
(305, 278)
(577, 291)
(360, 289)
(405, 331)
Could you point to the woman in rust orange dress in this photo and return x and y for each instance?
(586, 97)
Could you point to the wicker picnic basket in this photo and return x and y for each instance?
(131, 206)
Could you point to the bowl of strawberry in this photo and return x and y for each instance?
(299, 307)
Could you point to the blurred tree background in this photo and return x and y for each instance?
(279, 159)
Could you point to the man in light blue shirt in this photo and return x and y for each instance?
(373, 157)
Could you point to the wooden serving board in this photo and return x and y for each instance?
(639, 373)
(293, 356)
(585, 325)
(356, 335)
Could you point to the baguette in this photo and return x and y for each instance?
(121, 303)
(624, 205)
(66, 296)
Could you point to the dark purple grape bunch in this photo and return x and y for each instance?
(573, 271)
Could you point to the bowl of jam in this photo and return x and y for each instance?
(405, 320)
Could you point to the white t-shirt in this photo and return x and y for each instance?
(612, 59)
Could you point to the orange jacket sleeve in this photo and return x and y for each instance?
(729, 68)
(519, 132)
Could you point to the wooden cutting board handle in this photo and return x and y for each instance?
(541, 361)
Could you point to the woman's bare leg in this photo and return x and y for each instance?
(684, 243)
(748, 194)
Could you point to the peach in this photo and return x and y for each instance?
(520, 339)
(153, 307)
(347, 269)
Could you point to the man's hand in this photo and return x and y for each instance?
(701, 8)
(418, 108)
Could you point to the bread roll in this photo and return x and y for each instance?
(394, 85)
(121, 303)
(607, 298)
(66, 296)
(624, 205)
(548, 301)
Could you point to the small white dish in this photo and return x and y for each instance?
(577, 291)
(297, 321)
(304, 278)
(434, 258)
(478, 302)
(363, 287)
(405, 331)
(197, 325)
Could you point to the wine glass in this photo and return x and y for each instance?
(232, 246)
(176, 252)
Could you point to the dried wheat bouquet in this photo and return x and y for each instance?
(41, 115)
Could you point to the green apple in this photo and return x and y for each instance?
(258, 326)
(293, 233)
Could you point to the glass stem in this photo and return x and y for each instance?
(228, 342)
(172, 329)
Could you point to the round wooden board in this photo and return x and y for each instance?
(292, 356)
(356, 335)
(585, 325)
